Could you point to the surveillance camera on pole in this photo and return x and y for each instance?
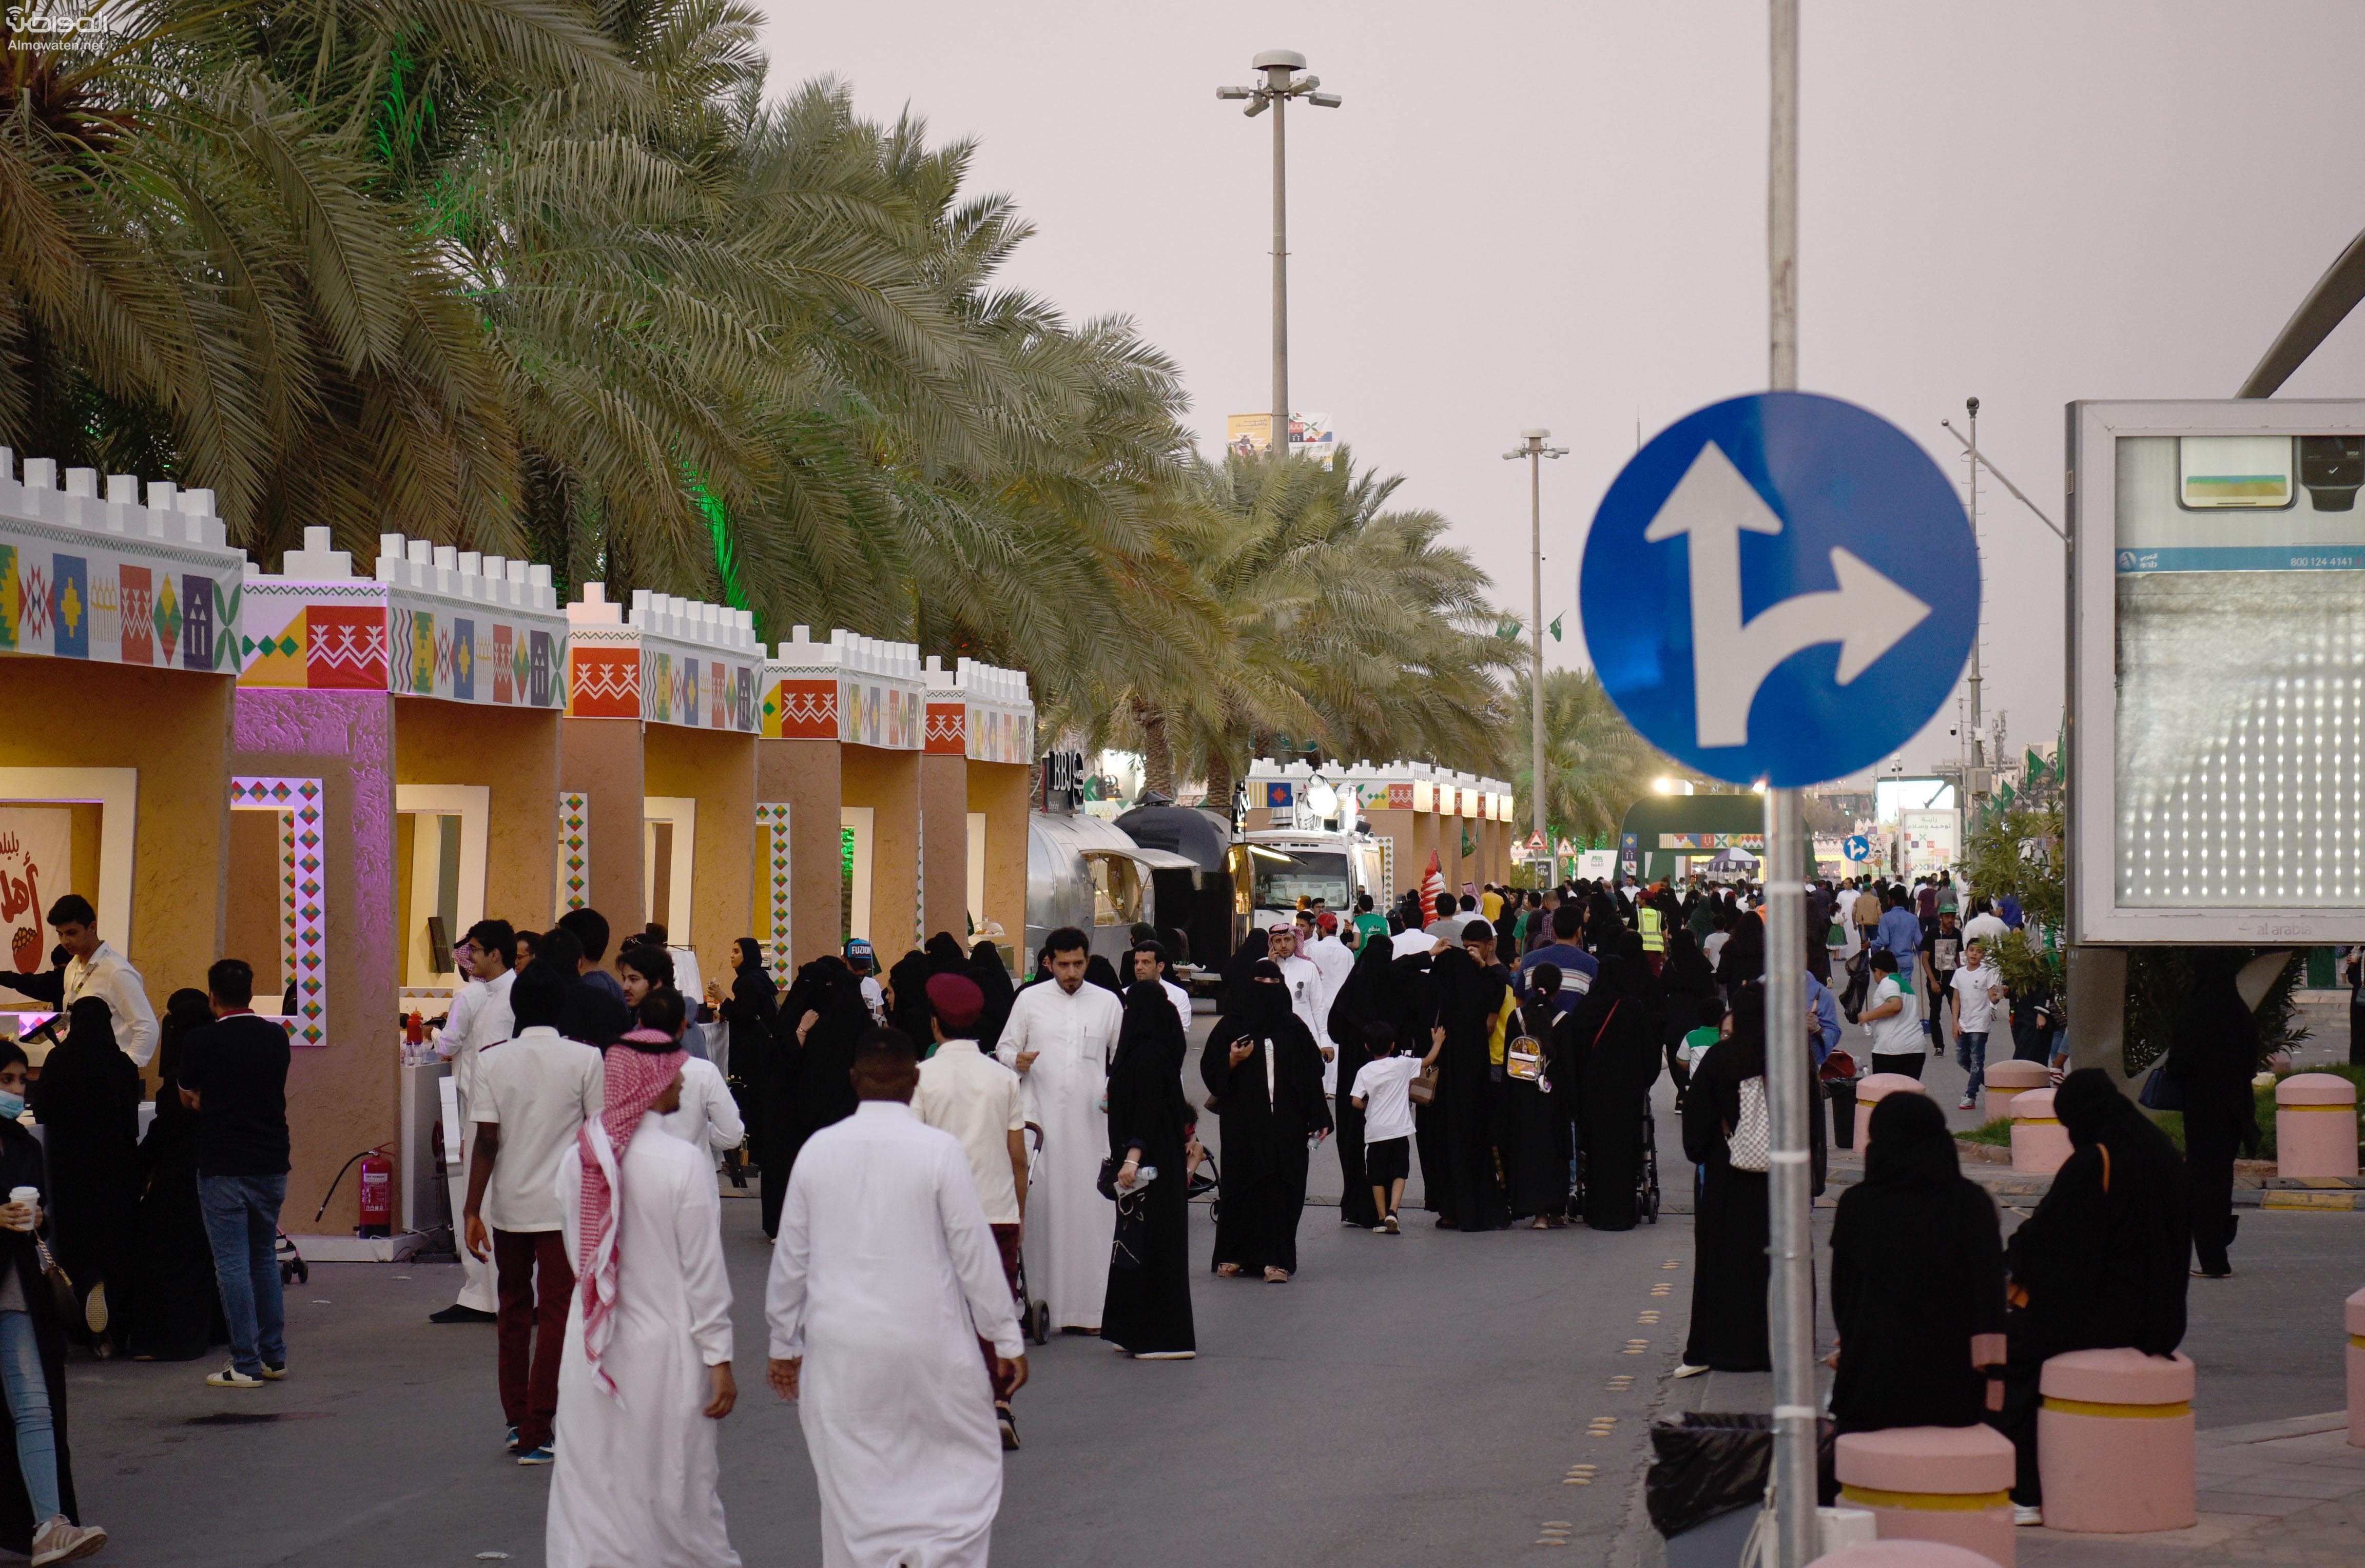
(1281, 84)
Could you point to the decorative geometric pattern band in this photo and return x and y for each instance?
(303, 891)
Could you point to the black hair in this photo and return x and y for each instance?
(1066, 939)
(73, 909)
(1363, 903)
(1884, 961)
(653, 964)
(653, 932)
(1567, 919)
(1381, 1039)
(497, 934)
(664, 1011)
(591, 928)
(538, 995)
(1711, 1012)
(559, 946)
(1545, 978)
(231, 980)
(883, 1051)
(10, 1051)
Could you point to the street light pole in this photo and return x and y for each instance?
(1790, 1299)
(1281, 84)
(1534, 449)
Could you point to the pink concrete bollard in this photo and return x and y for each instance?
(1901, 1554)
(2010, 1077)
(1948, 1485)
(2114, 1442)
(1871, 1091)
(2315, 1125)
(2356, 1309)
(2040, 1144)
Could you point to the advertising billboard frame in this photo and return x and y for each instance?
(2096, 916)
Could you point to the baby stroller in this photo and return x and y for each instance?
(1034, 1317)
(1646, 1189)
(293, 1269)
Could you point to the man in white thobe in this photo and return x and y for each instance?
(1330, 955)
(93, 967)
(479, 1017)
(1307, 998)
(1059, 1039)
(1150, 964)
(884, 1278)
(637, 1483)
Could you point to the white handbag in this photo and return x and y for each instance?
(1753, 1137)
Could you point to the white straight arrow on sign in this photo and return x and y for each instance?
(1867, 614)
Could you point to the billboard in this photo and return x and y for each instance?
(1310, 436)
(2217, 671)
(1928, 841)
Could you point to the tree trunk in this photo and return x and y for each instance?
(1220, 781)
(1157, 755)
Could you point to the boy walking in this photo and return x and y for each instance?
(1381, 1091)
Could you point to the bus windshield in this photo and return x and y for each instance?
(1302, 873)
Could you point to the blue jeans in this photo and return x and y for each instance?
(1971, 1056)
(242, 1223)
(28, 1388)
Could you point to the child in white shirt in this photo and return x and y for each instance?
(1382, 1091)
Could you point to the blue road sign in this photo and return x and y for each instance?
(1858, 848)
(1780, 588)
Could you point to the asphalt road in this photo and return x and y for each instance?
(1421, 1399)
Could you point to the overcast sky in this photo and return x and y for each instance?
(1553, 214)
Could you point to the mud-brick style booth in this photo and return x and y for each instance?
(119, 620)
(396, 778)
(869, 811)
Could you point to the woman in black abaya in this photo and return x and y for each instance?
(1917, 1280)
(87, 1101)
(1686, 980)
(2101, 1264)
(985, 966)
(2214, 1054)
(752, 1015)
(1264, 1075)
(1148, 1310)
(1464, 1188)
(179, 1315)
(810, 1088)
(1610, 1044)
(1239, 970)
(1535, 1115)
(1729, 1233)
(1368, 997)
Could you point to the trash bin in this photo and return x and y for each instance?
(1704, 1464)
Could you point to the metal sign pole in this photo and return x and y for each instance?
(1790, 1293)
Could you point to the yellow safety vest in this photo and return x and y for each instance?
(1646, 919)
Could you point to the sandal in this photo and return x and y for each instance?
(1276, 1276)
(1228, 1271)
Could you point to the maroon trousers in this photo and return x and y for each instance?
(1005, 1238)
(534, 1280)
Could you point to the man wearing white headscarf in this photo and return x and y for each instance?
(646, 1372)
(884, 1279)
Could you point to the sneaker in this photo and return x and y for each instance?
(511, 1446)
(1390, 1225)
(274, 1374)
(1689, 1370)
(1165, 1356)
(456, 1313)
(230, 1377)
(61, 1540)
(1009, 1425)
(1380, 1228)
(2021, 1513)
(93, 1313)
(541, 1455)
(1964, 1104)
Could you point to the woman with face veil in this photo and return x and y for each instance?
(2101, 1264)
(1729, 1233)
(1148, 1310)
(1263, 1075)
(985, 966)
(1463, 1186)
(821, 1018)
(1917, 1280)
(87, 1100)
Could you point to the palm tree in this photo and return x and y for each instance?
(1595, 765)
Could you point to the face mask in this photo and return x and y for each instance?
(11, 1105)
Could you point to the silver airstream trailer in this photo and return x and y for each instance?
(1087, 872)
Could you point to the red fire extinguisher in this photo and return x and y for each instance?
(376, 1191)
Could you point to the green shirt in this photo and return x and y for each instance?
(1371, 924)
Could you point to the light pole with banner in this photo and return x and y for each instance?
(1281, 84)
(1531, 447)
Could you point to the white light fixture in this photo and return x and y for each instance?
(1322, 800)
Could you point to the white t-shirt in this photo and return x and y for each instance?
(976, 1099)
(1387, 1108)
(1900, 1034)
(874, 997)
(1984, 928)
(1713, 943)
(540, 1087)
(709, 1116)
(1405, 944)
(1971, 986)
